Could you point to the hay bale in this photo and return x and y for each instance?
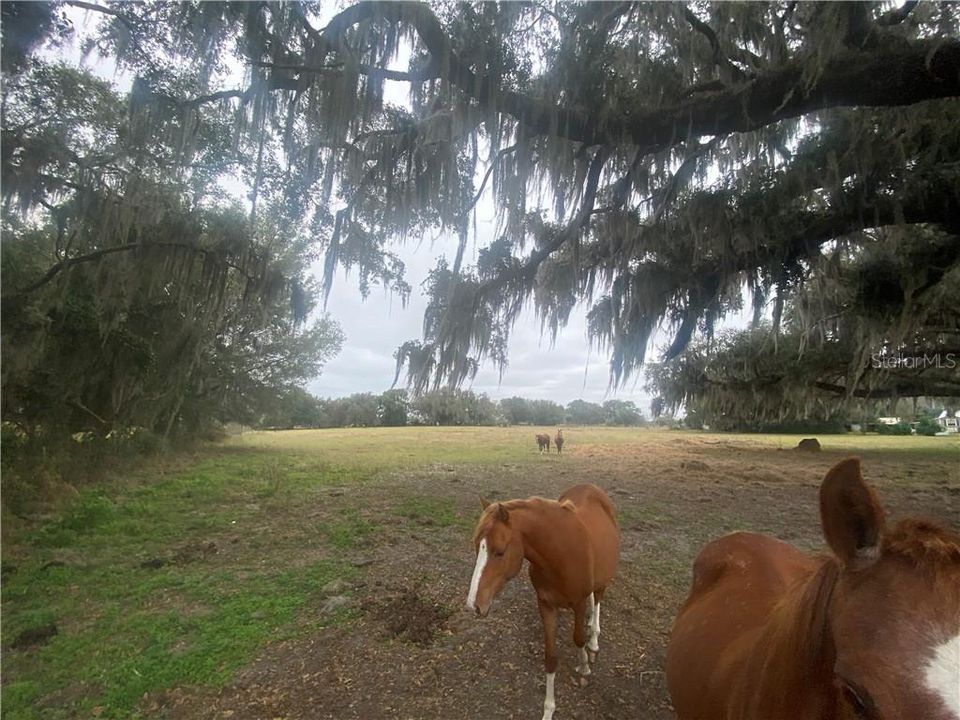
(808, 445)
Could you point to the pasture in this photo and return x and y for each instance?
(322, 574)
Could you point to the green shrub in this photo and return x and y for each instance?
(928, 426)
(901, 428)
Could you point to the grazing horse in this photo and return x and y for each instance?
(543, 442)
(558, 441)
(573, 546)
(770, 633)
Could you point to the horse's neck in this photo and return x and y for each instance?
(794, 652)
(538, 520)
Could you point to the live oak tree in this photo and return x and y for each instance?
(657, 161)
(831, 357)
(132, 296)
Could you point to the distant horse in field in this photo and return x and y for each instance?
(770, 633)
(543, 442)
(573, 546)
(558, 441)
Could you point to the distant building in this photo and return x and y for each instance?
(949, 422)
(888, 421)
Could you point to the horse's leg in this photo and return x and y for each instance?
(594, 644)
(590, 605)
(548, 614)
(580, 639)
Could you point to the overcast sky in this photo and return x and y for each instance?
(375, 327)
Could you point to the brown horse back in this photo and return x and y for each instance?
(596, 512)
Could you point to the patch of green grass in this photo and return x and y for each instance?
(90, 511)
(125, 630)
(201, 631)
(348, 531)
(18, 699)
(432, 510)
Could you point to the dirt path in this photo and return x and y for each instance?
(412, 652)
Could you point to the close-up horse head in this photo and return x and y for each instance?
(893, 616)
(871, 631)
(499, 556)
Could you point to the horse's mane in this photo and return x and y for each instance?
(487, 518)
(798, 624)
(924, 543)
(791, 644)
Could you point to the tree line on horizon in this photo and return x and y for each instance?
(397, 407)
(297, 408)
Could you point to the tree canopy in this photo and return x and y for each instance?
(658, 161)
(133, 294)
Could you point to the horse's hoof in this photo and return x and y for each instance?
(584, 681)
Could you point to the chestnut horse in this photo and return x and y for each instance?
(558, 441)
(543, 441)
(573, 546)
(770, 633)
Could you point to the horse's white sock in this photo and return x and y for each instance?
(549, 703)
(584, 667)
(594, 643)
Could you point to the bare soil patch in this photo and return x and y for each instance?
(407, 615)
(412, 651)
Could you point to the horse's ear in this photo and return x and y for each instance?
(484, 503)
(851, 514)
(502, 514)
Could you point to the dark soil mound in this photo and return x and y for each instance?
(411, 617)
(809, 445)
(34, 636)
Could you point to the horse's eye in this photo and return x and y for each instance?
(858, 699)
(498, 553)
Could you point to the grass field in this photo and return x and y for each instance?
(320, 573)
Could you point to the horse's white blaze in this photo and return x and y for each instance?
(942, 674)
(477, 574)
(549, 702)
